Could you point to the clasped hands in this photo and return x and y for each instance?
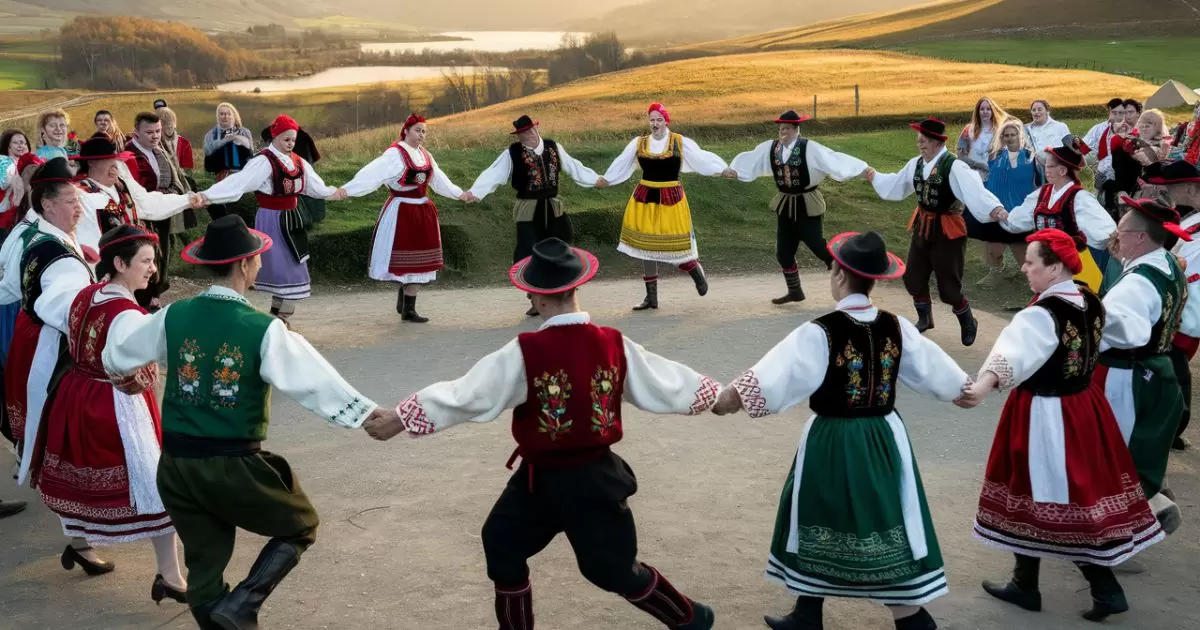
(384, 424)
(974, 392)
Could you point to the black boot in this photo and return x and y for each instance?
(651, 300)
(514, 607)
(410, 310)
(1022, 589)
(924, 316)
(202, 614)
(920, 621)
(697, 274)
(400, 301)
(805, 616)
(795, 292)
(665, 603)
(239, 609)
(1108, 598)
(966, 321)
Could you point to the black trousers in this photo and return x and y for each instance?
(1183, 372)
(790, 232)
(588, 504)
(543, 226)
(941, 258)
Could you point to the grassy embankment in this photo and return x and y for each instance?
(25, 63)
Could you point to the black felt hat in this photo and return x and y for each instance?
(791, 117)
(53, 171)
(1158, 212)
(524, 123)
(1168, 173)
(1071, 153)
(554, 267)
(930, 128)
(100, 147)
(227, 240)
(865, 254)
(159, 103)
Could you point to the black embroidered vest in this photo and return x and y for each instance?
(43, 251)
(864, 363)
(664, 167)
(1069, 369)
(114, 214)
(935, 194)
(535, 176)
(1060, 215)
(791, 177)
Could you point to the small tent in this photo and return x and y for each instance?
(1173, 94)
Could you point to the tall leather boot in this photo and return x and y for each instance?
(669, 606)
(924, 315)
(967, 323)
(202, 613)
(922, 620)
(697, 274)
(514, 607)
(400, 301)
(1022, 589)
(239, 609)
(651, 300)
(806, 615)
(410, 311)
(795, 292)
(1108, 598)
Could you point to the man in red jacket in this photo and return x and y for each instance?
(155, 172)
(565, 383)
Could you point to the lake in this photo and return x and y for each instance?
(336, 77)
(484, 41)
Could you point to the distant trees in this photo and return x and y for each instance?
(596, 53)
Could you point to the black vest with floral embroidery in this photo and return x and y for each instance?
(791, 175)
(935, 194)
(535, 176)
(1069, 369)
(864, 363)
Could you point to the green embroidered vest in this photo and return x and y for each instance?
(935, 194)
(214, 388)
(1173, 291)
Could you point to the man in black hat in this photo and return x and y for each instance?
(945, 187)
(533, 167)
(225, 357)
(798, 166)
(565, 383)
(159, 103)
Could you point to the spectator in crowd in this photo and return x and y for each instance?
(13, 144)
(107, 125)
(1044, 132)
(157, 172)
(53, 129)
(976, 140)
(1099, 140)
(1185, 142)
(227, 148)
(1013, 175)
(177, 147)
(1133, 111)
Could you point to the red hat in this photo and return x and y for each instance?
(1061, 243)
(409, 123)
(658, 107)
(282, 124)
(930, 128)
(1160, 213)
(27, 160)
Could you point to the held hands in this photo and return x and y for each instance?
(339, 195)
(729, 173)
(869, 175)
(999, 214)
(197, 201)
(383, 424)
(601, 182)
(468, 197)
(975, 392)
(729, 401)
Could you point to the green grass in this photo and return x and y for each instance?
(20, 74)
(1155, 59)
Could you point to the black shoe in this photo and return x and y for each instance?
(968, 324)
(1011, 593)
(160, 590)
(651, 300)
(1108, 598)
(806, 615)
(920, 621)
(795, 291)
(924, 316)
(1180, 444)
(409, 313)
(8, 508)
(72, 557)
(400, 301)
(239, 609)
(697, 274)
(1102, 609)
(703, 618)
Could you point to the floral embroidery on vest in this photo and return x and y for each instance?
(603, 415)
(1073, 365)
(887, 362)
(1168, 335)
(1097, 334)
(553, 392)
(188, 374)
(92, 337)
(226, 376)
(852, 360)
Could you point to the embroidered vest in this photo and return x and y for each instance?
(575, 376)
(1173, 293)
(114, 214)
(88, 326)
(214, 388)
(1061, 215)
(791, 177)
(286, 185)
(535, 176)
(42, 251)
(1069, 369)
(414, 175)
(935, 194)
(864, 363)
(662, 167)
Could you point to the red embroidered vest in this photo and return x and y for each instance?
(286, 185)
(575, 376)
(413, 175)
(113, 214)
(1061, 215)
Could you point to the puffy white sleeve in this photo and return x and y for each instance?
(152, 206)
(496, 175)
(1094, 221)
(896, 186)
(256, 172)
(969, 188)
(377, 172)
(697, 160)
(621, 168)
(1131, 307)
(659, 385)
(494, 384)
(135, 340)
(440, 182)
(755, 163)
(291, 365)
(926, 369)
(61, 283)
(1020, 219)
(87, 231)
(579, 173)
(1023, 347)
(787, 375)
(1092, 139)
(314, 186)
(839, 166)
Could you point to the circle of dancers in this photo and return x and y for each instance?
(1094, 368)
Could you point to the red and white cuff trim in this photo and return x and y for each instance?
(706, 396)
(413, 416)
(748, 388)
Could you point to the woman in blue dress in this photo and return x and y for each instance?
(1013, 173)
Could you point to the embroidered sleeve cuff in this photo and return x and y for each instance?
(413, 416)
(353, 413)
(706, 396)
(750, 391)
(998, 365)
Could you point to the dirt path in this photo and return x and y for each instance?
(34, 110)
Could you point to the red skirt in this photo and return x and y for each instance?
(16, 371)
(417, 241)
(1107, 519)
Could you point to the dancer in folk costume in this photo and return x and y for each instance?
(853, 520)
(278, 177)
(945, 187)
(1060, 482)
(224, 358)
(798, 166)
(1063, 204)
(407, 244)
(534, 165)
(97, 451)
(1143, 311)
(565, 383)
(658, 221)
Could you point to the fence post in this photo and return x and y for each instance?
(814, 105)
(856, 101)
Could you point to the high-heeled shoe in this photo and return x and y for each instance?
(160, 590)
(72, 557)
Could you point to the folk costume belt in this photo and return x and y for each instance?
(556, 460)
(952, 224)
(404, 198)
(192, 446)
(661, 193)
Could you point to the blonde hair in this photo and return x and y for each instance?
(167, 114)
(44, 119)
(1162, 123)
(237, 118)
(999, 116)
(997, 140)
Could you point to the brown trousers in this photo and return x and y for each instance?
(938, 256)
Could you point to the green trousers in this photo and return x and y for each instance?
(209, 498)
